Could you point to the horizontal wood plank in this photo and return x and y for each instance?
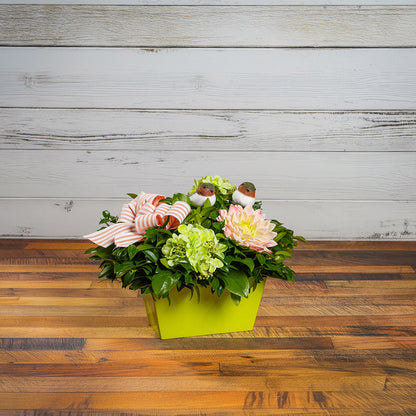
(369, 220)
(211, 370)
(190, 78)
(69, 310)
(17, 268)
(385, 361)
(229, 411)
(277, 175)
(66, 282)
(51, 343)
(69, 301)
(207, 26)
(57, 292)
(284, 358)
(22, 128)
(240, 400)
(143, 331)
(211, 343)
(296, 382)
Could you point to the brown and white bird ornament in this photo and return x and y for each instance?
(245, 194)
(204, 191)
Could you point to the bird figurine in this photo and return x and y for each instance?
(204, 191)
(245, 194)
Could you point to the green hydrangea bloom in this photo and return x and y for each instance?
(224, 186)
(197, 246)
(175, 250)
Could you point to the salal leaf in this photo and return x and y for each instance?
(280, 236)
(128, 278)
(121, 267)
(165, 262)
(181, 197)
(151, 256)
(132, 250)
(261, 259)
(236, 282)
(236, 299)
(90, 250)
(247, 261)
(282, 253)
(215, 284)
(106, 270)
(142, 247)
(163, 282)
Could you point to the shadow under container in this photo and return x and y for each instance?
(187, 317)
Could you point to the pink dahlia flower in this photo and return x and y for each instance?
(248, 227)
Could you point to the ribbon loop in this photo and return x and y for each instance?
(177, 214)
(141, 214)
(144, 222)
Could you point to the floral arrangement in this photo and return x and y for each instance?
(215, 236)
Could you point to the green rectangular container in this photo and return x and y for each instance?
(186, 317)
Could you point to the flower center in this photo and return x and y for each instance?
(248, 227)
(179, 250)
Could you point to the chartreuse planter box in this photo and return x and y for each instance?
(187, 317)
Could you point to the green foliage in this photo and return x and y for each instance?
(107, 219)
(143, 266)
(236, 282)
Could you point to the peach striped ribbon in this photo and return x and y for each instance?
(141, 214)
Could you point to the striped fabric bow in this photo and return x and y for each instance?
(141, 214)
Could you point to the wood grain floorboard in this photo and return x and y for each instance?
(13, 344)
(341, 341)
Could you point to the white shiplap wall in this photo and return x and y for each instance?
(313, 101)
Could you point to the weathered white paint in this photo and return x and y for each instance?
(348, 220)
(214, 26)
(59, 129)
(219, 2)
(191, 78)
(277, 175)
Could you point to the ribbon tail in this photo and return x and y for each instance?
(105, 238)
(127, 237)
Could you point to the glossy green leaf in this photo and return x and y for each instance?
(132, 250)
(236, 299)
(236, 282)
(163, 282)
(121, 267)
(261, 259)
(247, 261)
(106, 270)
(151, 256)
(181, 197)
(280, 236)
(128, 278)
(165, 262)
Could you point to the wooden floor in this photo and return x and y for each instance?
(341, 341)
